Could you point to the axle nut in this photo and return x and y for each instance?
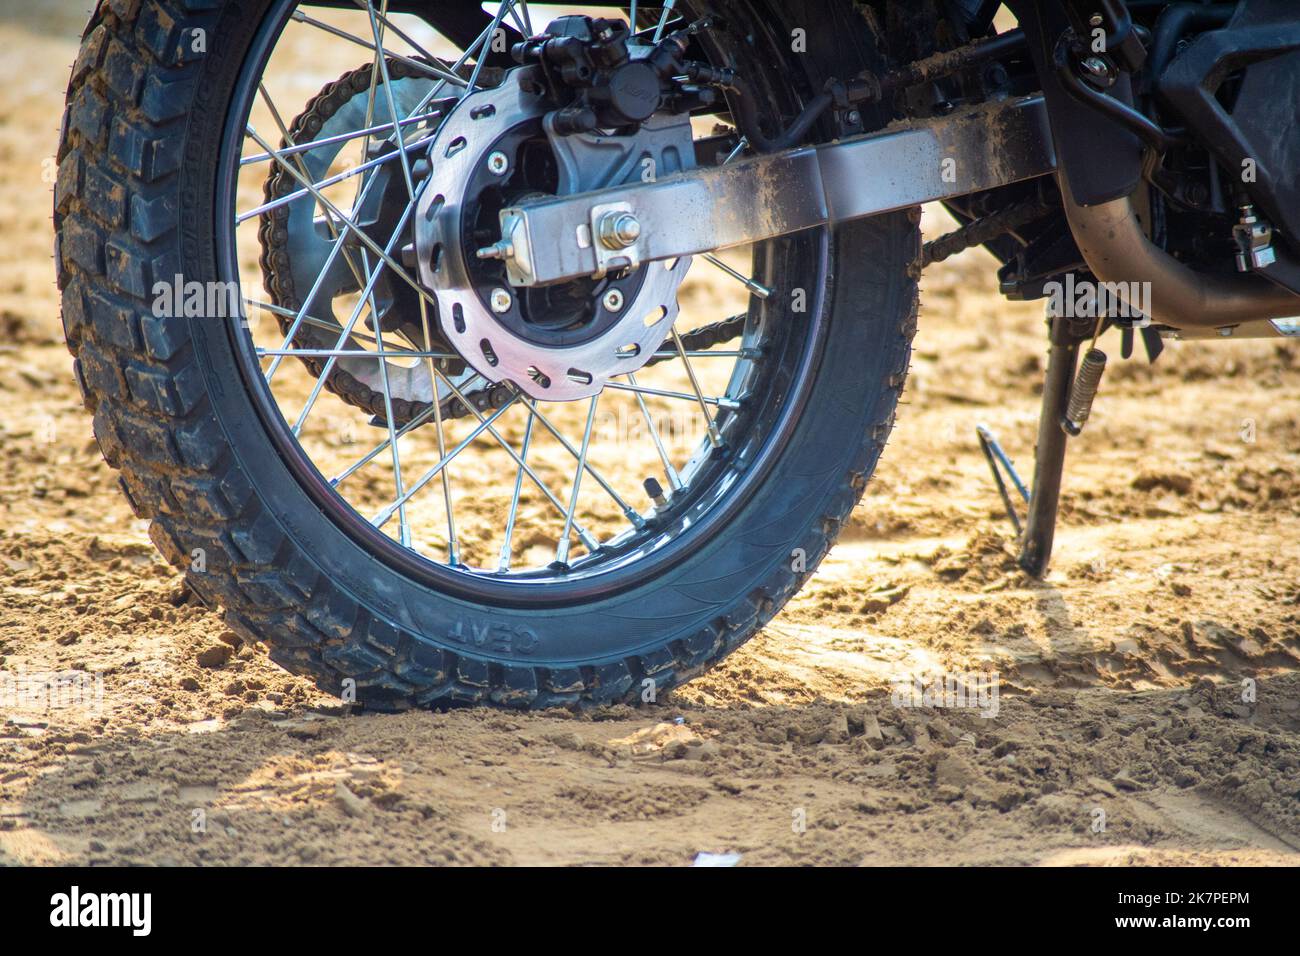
(618, 230)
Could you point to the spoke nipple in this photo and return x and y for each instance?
(656, 493)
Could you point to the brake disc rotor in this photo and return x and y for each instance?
(557, 343)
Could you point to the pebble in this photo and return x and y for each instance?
(214, 656)
(348, 801)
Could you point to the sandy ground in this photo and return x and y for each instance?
(1149, 697)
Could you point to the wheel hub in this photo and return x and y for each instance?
(561, 342)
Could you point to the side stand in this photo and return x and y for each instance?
(1049, 454)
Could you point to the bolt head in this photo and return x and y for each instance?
(498, 163)
(501, 300)
(613, 300)
(1098, 67)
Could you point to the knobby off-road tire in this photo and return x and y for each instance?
(134, 205)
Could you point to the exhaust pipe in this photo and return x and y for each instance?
(1117, 250)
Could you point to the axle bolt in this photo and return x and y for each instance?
(613, 300)
(498, 163)
(618, 230)
(501, 301)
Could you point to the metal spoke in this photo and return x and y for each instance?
(397, 349)
(404, 529)
(383, 254)
(355, 353)
(372, 257)
(715, 438)
(384, 516)
(749, 282)
(341, 138)
(753, 285)
(734, 353)
(504, 564)
(628, 511)
(491, 31)
(382, 63)
(334, 232)
(439, 72)
(741, 146)
(336, 178)
(352, 267)
(453, 549)
(674, 479)
(369, 456)
(366, 294)
(663, 20)
(370, 101)
(514, 15)
(482, 38)
(562, 548)
(664, 393)
(585, 537)
(390, 25)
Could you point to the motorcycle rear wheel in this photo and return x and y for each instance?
(149, 151)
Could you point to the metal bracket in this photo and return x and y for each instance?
(703, 210)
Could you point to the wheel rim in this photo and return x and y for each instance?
(714, 484)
